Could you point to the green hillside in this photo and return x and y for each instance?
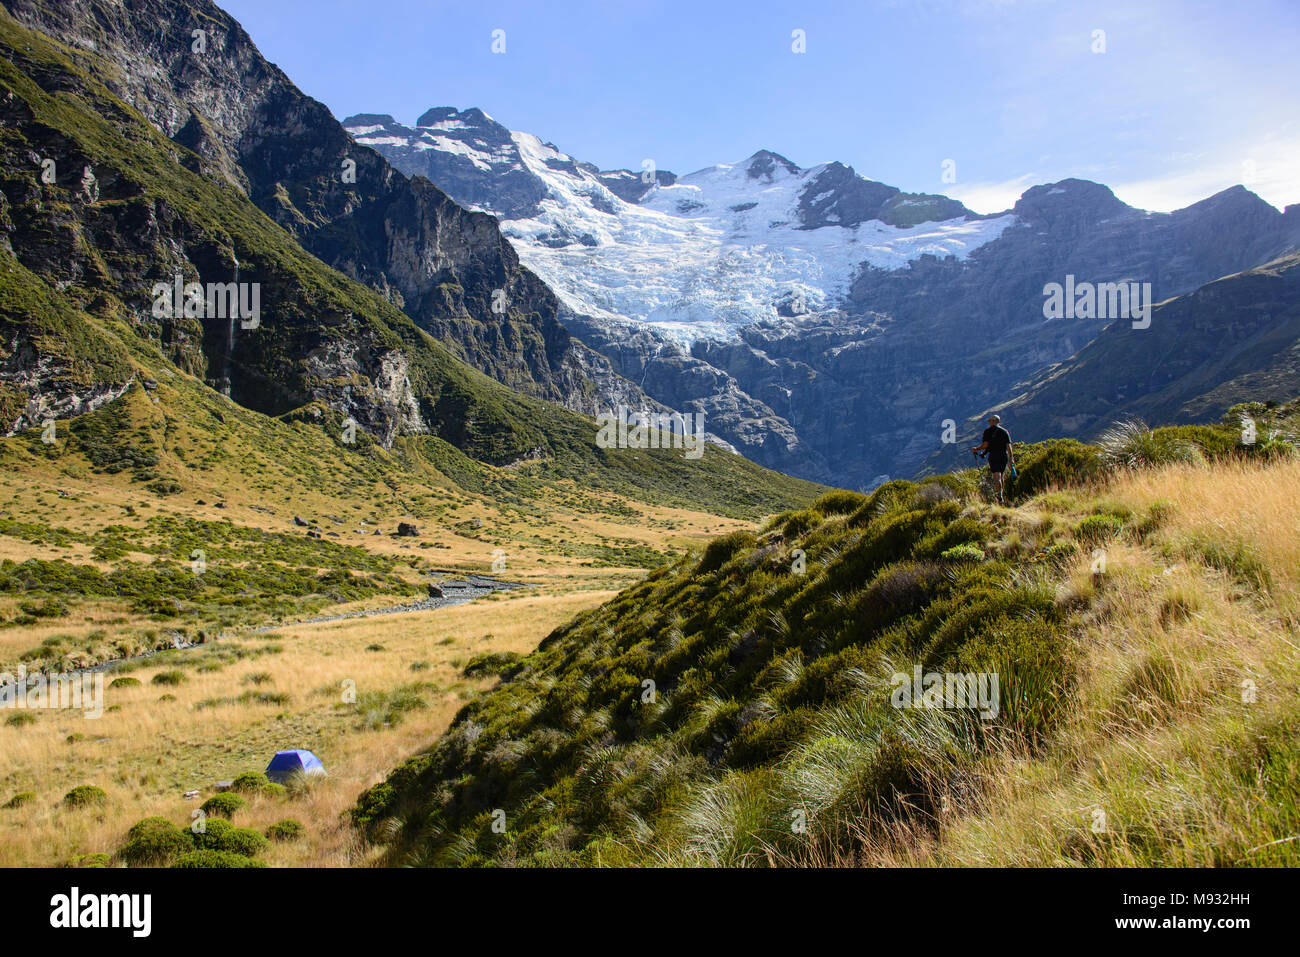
(738, 708)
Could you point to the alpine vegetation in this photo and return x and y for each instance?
(750, 705)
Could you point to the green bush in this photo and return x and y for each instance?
(250, 782)
(839, 502)
(20, 799)
(719, 551)
(1061, 552)
(1096, 529)
(85, 795)
(125, 682)
(800, 523)
(223, 860)
(224, 805)
(1062, 463)
(213, 834)
(48, 608)
(91, 860)
(169, 678)
(152, 841)
(967, 552)
(20, 719)
(286, 830)
(219, 835)
(490, 663)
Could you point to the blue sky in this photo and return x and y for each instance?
(1188, 98)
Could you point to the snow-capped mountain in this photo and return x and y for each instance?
(698, 256)
(827, 324)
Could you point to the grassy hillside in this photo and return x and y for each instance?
(1137, 606)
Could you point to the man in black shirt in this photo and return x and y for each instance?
(997, 441)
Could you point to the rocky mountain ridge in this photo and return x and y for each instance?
(828, 325)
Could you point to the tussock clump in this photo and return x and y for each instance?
(1132, 444)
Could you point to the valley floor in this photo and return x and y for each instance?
(363, 693)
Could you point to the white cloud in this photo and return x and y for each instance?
(1268, 169)
(991, 197)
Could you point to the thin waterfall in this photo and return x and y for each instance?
(231, 320)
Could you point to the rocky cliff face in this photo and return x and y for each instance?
(194, 73)
(828, 325)
(117, 254)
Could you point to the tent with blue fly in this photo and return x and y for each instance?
(286, 764)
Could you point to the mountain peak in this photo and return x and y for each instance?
(370, 119)
(1078, 200)
(765, 163)
(1234, 197)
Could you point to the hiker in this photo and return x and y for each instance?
(997, 441)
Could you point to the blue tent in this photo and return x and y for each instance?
(286, 764)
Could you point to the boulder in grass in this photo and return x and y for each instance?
(407, 530)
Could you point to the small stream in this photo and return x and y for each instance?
(452, 591)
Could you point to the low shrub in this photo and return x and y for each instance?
(490, 663)
(1096, 529)
(250, 782)
(85, 795)
(224, 805)
(219, 835)
(286, 830)
(966, 552)
(721, 550)
(153, 841)
(1064, 463)
(223, 860)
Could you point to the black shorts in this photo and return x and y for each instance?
(997, 463)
